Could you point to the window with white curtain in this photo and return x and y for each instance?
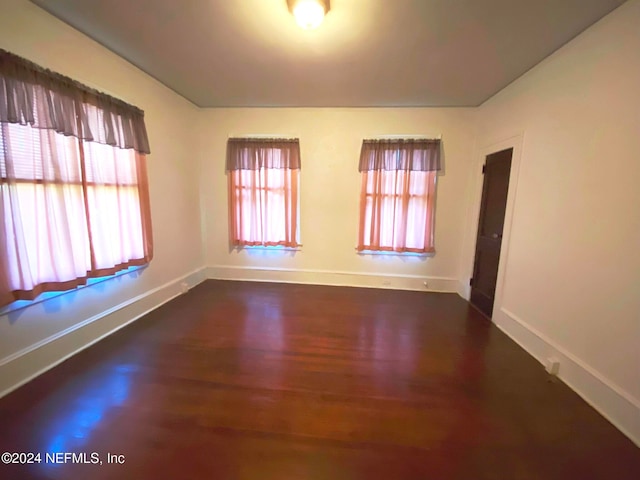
(263, 176)
(73, 183)
(397, 198)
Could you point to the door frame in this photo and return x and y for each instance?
(516, 142)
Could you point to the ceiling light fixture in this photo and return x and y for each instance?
(309, 13)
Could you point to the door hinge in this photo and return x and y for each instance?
(471, 282)
(484, 168)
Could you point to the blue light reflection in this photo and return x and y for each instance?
(269, 251)
(18, 304)
(71, 431)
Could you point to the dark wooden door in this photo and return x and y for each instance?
(490, 225)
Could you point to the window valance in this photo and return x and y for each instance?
(400, 154)
(30, 94)
(257, 153)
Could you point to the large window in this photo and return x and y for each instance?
(263, 191)
(73, 186)
(397, 199)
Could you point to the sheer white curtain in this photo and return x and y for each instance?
(396, 211)
(69, 210)
(114, 205)
(43, 232)
(264, 207)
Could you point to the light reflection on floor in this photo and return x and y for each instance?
(71, 431)
(265, 336)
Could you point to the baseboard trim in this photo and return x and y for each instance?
(392, 281)
(43, 355)
(464, 290)
(612, 402)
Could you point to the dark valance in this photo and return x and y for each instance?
(30, 94)
(400, 154)
(257, 153)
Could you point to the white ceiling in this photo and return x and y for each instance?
(234, 53)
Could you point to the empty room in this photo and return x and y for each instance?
(320, 239)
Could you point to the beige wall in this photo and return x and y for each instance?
(30, 32)
(572, 274)
(330, 140)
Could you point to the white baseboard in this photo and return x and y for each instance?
(464, 290)
(22, 366)
(333, 277)
(611, 401)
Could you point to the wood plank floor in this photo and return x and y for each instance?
(273, 381)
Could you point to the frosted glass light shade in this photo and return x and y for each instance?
(309, 13)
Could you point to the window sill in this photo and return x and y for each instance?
(250, 248)
(43, 297)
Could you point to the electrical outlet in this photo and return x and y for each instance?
(552, 366)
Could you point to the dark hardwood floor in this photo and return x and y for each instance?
(273, 381)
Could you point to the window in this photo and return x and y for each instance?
(73, 186)
(263, 191)
(398, 195)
